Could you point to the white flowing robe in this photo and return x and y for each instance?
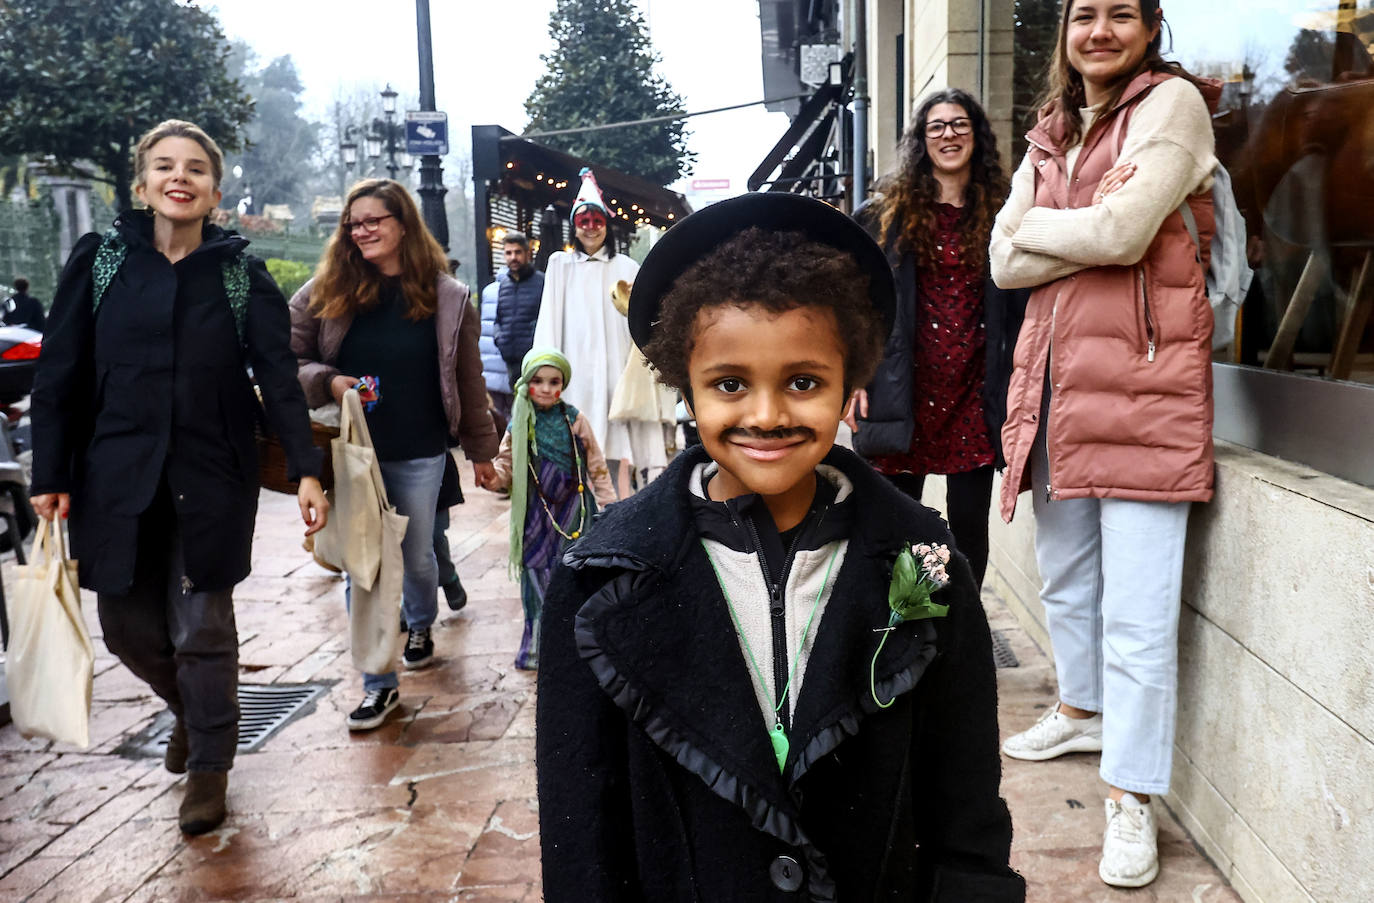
(577, 317)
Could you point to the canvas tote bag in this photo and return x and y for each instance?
(365, 531)
(50, 659)
(352, 537)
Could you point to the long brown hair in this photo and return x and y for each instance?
(1065, 94)
(905, 206)
(345, 282)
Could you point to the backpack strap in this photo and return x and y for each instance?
(235, 274)
(109, 257)
(1191, 223)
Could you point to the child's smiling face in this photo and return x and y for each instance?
(768, 391)
(546, 387)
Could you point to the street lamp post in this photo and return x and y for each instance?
(386, 135)
(431, 171)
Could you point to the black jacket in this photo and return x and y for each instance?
(657, 780)
(153, 387)
(24, 310)
(892, 393)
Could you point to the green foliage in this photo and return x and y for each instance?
(82, 80)
(1037, 28)
(278, 161)
(289, 274)
(29, 246)
(602, 70)
(1309, 59)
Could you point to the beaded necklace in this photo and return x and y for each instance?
(581, 487)
(778, 735)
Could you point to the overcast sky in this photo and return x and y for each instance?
(486, 59)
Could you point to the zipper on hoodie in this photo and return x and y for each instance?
(1149, 319)
(777, 611)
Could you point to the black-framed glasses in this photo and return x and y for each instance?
(935, 128)
(367, 224)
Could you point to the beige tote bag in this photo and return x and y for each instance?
(374, 614)
(352, 537)
(50, 660)
(363, 537)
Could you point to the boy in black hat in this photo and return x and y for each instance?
(765, 676)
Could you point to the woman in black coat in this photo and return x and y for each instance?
(937, 401)
(143, 428)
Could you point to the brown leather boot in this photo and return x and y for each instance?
(203, 808)
(174, 759)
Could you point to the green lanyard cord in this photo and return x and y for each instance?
(873, 665)
(749, 649)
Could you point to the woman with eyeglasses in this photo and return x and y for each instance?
(936, 403)
(383, 315)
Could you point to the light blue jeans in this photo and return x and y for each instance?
(413, 488)
(1112, 573)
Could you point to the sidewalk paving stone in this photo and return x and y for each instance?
(440, 802)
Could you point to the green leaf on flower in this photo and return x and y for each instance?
(909, 594)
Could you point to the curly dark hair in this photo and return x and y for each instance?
(779, 271)
(905, 206)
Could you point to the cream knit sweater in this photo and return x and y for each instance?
(1169, 138)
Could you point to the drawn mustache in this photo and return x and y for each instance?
(796, 432)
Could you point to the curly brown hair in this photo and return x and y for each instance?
(346, 283)
(779, 271)
(905, 206)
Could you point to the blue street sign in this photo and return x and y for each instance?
(426, 132)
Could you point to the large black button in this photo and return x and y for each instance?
(786, 874)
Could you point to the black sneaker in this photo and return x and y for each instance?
(377, 704)
(455, 594)
(419, 648)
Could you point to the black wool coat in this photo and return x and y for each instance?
(657, 780)
(891, 394)
(153, 387)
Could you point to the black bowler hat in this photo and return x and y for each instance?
(708, 228)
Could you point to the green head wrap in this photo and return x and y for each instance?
(522, 434)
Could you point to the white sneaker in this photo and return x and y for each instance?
(1130, 854)
(1055, 734)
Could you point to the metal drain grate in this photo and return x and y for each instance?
(264, 709)
(1002, 656)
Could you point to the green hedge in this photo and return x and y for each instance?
(290, 274)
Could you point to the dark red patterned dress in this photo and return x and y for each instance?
(950, 357)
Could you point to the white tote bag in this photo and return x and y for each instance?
(50, 660)
(363, 537)
(352, 537)
(374, 614)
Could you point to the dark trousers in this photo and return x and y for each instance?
(181, 642)
(448, 571)
(968, 497)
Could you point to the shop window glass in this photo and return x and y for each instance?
(1295, 128)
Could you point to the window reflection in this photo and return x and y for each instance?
(1296, 131)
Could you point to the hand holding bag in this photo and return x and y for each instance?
(50, 660)
(352, 538)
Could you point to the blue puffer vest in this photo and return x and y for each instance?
(517, 310)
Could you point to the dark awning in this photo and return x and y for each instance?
(517, 179)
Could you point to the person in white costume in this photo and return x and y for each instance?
(578, 317)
